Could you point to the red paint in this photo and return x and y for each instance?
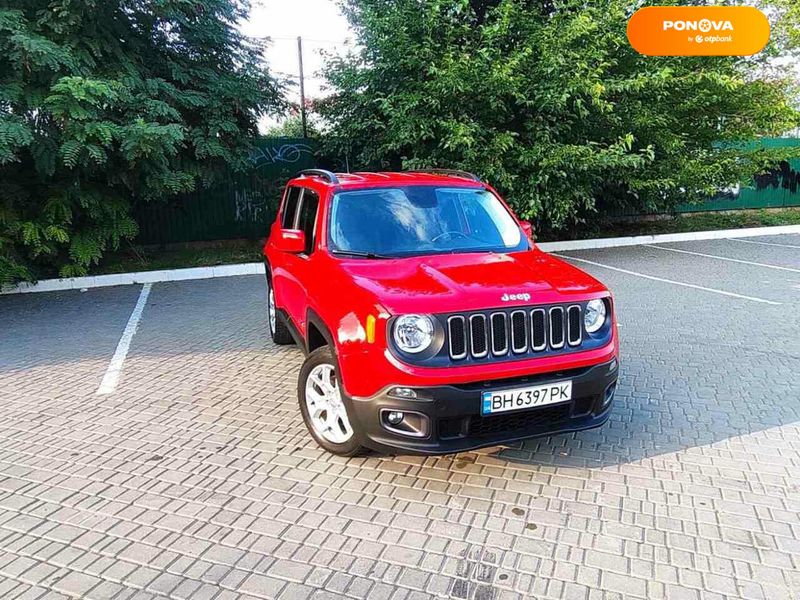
(344, 291)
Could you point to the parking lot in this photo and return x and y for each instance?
(192, 476)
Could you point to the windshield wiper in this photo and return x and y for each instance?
(359, 254)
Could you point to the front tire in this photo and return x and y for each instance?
(277, 328)
(321, 405)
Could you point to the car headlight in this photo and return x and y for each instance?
(595, 315)
(413, 333)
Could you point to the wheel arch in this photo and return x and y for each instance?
(317, 333)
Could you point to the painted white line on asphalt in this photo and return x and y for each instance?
(111, 378)
(681, 283)
(736, 260)
(762, 243)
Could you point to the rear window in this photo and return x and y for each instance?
(290, 208)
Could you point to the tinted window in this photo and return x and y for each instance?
(290, 208)
(422, 220)
(308, 217)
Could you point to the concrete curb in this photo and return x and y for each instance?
(666, 238)
(80, 283)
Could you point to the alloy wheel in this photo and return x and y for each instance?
(325, 407)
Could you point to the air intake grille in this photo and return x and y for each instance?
(519, 332)
(457, 336)
(538, 330)
(514, 332)
(499, 334)
(557, 327)
(478, 331)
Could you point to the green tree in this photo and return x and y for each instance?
(548, 102)
(104, 104)
(292, 127)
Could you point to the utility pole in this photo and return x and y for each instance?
(302, 87)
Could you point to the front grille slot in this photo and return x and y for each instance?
(519, 332)
(574, 329)
(516, 332)
(556, 327)
(499, 334)
(479, 336)
(538, 330)
(457, 335)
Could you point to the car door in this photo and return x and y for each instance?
(283, 279)
(300, 266)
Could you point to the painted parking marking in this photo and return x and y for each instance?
(762, 243)
(736, 260)
(680, 283)
(111, 378)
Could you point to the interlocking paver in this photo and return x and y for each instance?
(196, 479)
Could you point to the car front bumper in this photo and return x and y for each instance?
(446, 419)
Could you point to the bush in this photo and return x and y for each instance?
(106, 104)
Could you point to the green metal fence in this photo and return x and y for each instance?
(242, 207)
(778, 189)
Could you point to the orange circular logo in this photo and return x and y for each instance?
(698, 30)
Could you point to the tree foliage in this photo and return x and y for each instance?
(292, 127)
(548, 102)
(104, 104)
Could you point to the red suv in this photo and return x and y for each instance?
(430, 321)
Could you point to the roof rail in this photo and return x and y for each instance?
(451, 172)
(331, 177)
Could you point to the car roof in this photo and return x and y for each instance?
(394, 178)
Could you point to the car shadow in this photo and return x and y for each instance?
(681, 390)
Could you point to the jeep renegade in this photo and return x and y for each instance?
(430, 321)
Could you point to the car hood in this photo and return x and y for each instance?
(475, 281)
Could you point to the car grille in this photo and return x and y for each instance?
(511, 422)
(514, 332)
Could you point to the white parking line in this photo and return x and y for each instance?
(736, 260)
(111, 378)
(761, 243)
(681, 283)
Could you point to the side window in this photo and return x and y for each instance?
(290, 208)
(308, 217)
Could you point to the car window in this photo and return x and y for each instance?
(290, 208)
(422, 220)
(308, 217)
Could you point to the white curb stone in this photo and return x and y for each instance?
(80, 283)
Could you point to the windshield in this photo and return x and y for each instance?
(419, 220)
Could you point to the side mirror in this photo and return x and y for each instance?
(292, 241)
(527, 228)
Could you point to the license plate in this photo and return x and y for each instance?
(527, 397)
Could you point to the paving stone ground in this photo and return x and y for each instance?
(197, 479)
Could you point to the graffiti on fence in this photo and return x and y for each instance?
(289, 153)
(250, 206)
(783, 177)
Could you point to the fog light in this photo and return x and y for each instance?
(394, 417)
(402, 392)
(612, 366)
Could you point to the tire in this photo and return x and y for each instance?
(337, 435)
(277, 328)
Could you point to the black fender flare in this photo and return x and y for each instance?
(312, 318)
